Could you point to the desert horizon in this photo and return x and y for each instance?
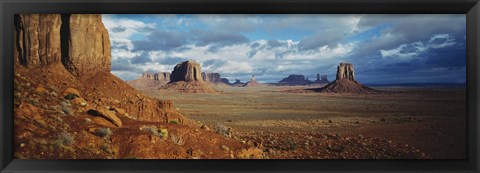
(118, 86)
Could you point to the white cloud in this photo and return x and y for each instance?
(125, 28)
(414, 50)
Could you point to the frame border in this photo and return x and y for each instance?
(469, 7)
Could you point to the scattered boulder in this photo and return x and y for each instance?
(106, 114)
(70, 91)
(120, 111)
(41, 89)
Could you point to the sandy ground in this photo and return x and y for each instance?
(430, 119)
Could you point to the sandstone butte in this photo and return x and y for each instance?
(70, 55)
(345, 82)
(187, 78)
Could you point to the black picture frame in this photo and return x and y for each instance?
(10, 7)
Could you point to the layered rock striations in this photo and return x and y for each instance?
(37, 39)
(345, 82)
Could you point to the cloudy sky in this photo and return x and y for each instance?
(383, 48)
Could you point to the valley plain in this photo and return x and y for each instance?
(290, 124)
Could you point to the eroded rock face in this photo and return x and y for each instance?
(187, 71)
(89, 45)
(37, 39)
(345, 71)
(79, 41)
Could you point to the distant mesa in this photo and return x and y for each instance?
(225, 81)
(345, 82)
(294, 79)
(187, 78)
(214, 78)
(237, 83)
(151, 80)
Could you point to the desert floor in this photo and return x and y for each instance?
(432, 120)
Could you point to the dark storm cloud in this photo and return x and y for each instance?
(329, 38)
(221, 38)
(411, 28)
(141, 59)
(161, 40)
(118, 29)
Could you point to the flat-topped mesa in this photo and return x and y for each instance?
(211, 77)
(162, 76)
(295, 79)
(187, 71)
(150, 80)
(345, 71)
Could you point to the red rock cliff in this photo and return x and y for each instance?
(79, 45)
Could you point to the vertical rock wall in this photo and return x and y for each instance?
(345, 71)
(37, 39)
(89, 45)
(187, 71)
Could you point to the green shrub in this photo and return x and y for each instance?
(103, 132)
(64, 139)
(164, 133)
